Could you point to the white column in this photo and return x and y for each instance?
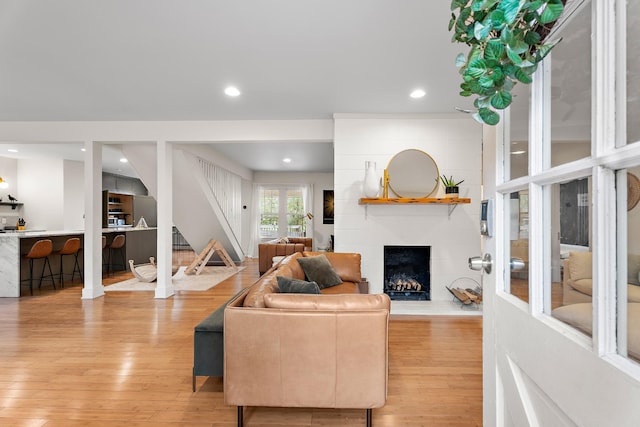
(164, 287)
(93, 221)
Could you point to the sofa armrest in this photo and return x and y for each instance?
(323, 358)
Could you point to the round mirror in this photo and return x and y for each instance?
(413, 173)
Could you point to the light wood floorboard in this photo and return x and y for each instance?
(125, 359)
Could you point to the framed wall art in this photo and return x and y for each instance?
(327, 206)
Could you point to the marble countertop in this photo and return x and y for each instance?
(45, 233)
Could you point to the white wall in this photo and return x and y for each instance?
(40, 188)
(455, 143)
(320, 181)
(9, 173)
(73, 205)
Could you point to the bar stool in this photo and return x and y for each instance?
(70, 247)
(116, 245)
(40, 250)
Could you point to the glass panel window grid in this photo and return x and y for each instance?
(628, 186)
(296, 224)
(282, 213)
(571, 91)
(633, 70)
(517, 152)
(269, 213)
(518, 224)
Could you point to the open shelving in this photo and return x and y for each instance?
(451, 202)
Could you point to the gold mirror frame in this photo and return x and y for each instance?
(413, 173)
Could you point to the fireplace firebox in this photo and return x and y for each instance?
(407, 272)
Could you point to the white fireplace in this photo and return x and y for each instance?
(455, 143)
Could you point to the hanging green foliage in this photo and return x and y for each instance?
(507, 43)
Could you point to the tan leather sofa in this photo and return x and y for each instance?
(301, 350)
(577, 271)
(266, 251)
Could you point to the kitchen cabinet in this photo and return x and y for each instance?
(118, 208)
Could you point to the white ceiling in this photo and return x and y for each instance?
(171, 60)
(74, 60)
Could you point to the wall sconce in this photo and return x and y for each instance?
(3, 183)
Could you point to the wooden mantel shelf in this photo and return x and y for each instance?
(451, 202)
(415, 201)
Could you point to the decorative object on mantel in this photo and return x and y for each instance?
(507, 40)
(411, 174)
(371, 186)
(451, 188)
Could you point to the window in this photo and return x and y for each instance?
(282, 212)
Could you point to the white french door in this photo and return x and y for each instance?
(550, 359)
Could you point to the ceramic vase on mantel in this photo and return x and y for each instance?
(451, 192)
(371, 186)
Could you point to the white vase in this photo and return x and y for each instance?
(371, 185)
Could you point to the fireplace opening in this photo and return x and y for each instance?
(407, 272)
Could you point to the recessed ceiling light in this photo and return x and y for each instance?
(286, 160)
(12, 150)
(123, 160)
(518, 152)
(232, 91)
(418, 93)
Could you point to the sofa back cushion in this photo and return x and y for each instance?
(328, 302)
(265, 285)
(318, 269)
(346, 264)
(580, 265)
(287, 285)
(294, 270)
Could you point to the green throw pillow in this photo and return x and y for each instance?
(288, 285)
(318, 269)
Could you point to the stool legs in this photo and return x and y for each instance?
(76, 267)
(45, 264)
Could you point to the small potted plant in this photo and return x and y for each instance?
(451, 188)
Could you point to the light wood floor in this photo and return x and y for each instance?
(125, 359)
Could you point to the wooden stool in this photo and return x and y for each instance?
(70, 247)
(116, 245)
(40, 250)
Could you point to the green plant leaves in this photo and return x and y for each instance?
(501, 100)
(506, 46)
(551, 11)
(494, 50)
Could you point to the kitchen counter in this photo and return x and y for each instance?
(140, 245)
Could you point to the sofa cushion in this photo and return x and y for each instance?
(347, 265)
(633, 268)
(328, 302)
(580, 317)
(288, 285)
(580, 265)
(633, 293)
(295, 270)
(583, 285)
(280, 240)
(318, 269)
(265, 285)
